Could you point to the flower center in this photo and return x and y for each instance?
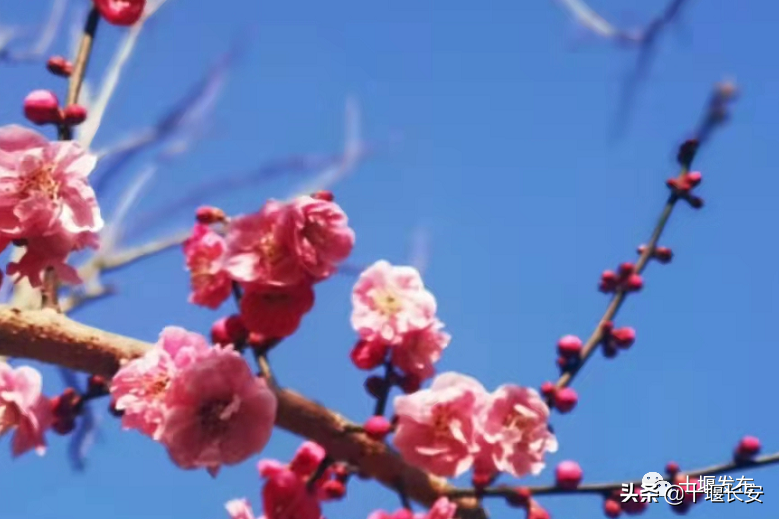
(215, 415)
(516, 420)
(269, 249)
(442, 417)
(157, 386)
(40, 181)
(387, 302)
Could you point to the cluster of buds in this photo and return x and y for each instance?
(661, 254)
(43, 107)
(626, 279)
(615, 339)
(682, 187)
(563, 399)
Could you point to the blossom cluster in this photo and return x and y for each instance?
(274, 256)
(46, 202)
(202, 402)
(456, 425)
(395, 317)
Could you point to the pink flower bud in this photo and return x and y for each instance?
(747, 448)
(121, 12)
(73, 115)
(42, 107)
(548, 389)
(59, 66)
(565, 399)
(634, 283)
(624, 337)
(229, 330)
(694, 178)
(568, 475)
(612, 508)
(569, 346)
(369, 355)
(377, 427)
(536, 512)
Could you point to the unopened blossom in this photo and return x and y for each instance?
(273, 311)
(216, 412)
(204, 251)
(437, 427)
(239, 509)
(259, 248)
(121, 12)
(140, 386)
(515, 431)
(51, 251)
(321, 237)
(23, 409)
(389, 301)
(285, 494)
(420, 350)
(43, 184)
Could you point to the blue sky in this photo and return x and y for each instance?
(495, 122)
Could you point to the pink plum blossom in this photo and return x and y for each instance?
(420, 350)
(321, 237)
(23, 408)
(204, 251)
(516, 432)
(43, 184)
(259, 248)
(217, 412)
(51, 250)
(239, 509)
(304, 464)
(140, 386)
(389, 301)
(437, 427)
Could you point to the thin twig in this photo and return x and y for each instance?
(608, 487)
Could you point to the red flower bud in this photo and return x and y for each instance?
(327, 196)
(568, 475)
(229, 330)
(612, 508)
(663, 254)
(410, 383)
(693, 178)
(73, 115)
(634, 283)
(672, 469)
(624, 337)
(377, 427)
(548, 389)
(209, 215)
(565, 399)
(626, 269)
(520, 498)
(121, 12)
(59, 66)
(747, 448)
(42, 107)
(569, 346)
(368, 355)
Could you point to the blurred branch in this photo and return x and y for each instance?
(45, 38)
(643, 39)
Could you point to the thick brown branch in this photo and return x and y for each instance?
(47, 336)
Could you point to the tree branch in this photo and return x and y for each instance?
(47, 336)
